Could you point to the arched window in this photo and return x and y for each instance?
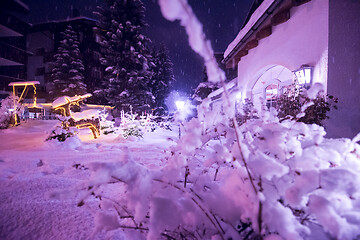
(271, 94)
(269, 85)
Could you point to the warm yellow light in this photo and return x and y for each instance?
(25, 85)
(62, 109)
(95, 131)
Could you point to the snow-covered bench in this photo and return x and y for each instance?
(86, 119)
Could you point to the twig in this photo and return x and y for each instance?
(187, 173)
(217, 221)
(216, 172)
(195, 201)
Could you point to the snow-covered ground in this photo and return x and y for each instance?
(32, 170)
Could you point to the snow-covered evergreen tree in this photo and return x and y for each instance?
(162, 77)
(67, 73)
(125, 56)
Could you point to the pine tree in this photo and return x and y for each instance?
(125, 55)
(67, 73)
(162, 78)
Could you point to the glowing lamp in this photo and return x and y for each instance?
(180, 104)
(304, 75)
(238, 96)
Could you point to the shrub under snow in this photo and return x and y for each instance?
(7, 110)
(302, 185)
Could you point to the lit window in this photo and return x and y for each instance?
(271, 93)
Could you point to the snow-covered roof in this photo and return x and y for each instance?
(252, 21)
(87, 114)
(60, 101)
(228, 85)
(66, 99)
(24, 83)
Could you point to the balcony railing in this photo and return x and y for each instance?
(12, 53)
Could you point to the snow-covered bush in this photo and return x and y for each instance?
(147, 122)
(282, 179)
(265, 179)
(247, 112)
(132, 131)
(134, 125)
(164, 121)
(62, 132)
(290, 103)
(7, 110)
(106, 123)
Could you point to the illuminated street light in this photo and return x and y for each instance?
(179, 105)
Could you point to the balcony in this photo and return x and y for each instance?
(13, 54)
(14, 25)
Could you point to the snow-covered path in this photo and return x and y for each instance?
(31, 169)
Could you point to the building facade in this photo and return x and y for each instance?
(282, 36)
(13, 54)
(44, 40)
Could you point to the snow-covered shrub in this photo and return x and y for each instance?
(147, 122)
(282, 179)
(290, 103)
(247, 112)
(106, 123)
(7, 111)
(164, 121)
(133, 130)
(62, 132)
(134, 125)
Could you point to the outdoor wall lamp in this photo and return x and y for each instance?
(304, 75)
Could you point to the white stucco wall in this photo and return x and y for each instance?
(301, 40)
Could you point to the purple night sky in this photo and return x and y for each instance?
(222, 21)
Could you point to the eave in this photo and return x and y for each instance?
(276, 13)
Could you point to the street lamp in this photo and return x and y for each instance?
(180, 106)
(238, 102)
(304, 75)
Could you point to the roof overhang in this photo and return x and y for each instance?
(269, 13)
(256, 19)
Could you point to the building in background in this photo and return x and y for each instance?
(44, 39)
(13, 54)
(319, 37)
